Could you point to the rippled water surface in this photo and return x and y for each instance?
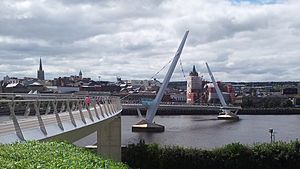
(205, 131)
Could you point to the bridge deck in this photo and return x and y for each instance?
(174, 106)
(43, 127)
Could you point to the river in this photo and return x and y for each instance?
(205, 131)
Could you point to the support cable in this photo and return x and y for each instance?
(182, 69)
(152, 77)
(161, 69)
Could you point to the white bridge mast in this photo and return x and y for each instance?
(226, 113)
(147, 125)
(219, 93)
(155, 103)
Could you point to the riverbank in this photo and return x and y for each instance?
(244, 111)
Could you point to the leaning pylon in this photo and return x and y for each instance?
(147, 125)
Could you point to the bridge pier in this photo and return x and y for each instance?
(109, 139)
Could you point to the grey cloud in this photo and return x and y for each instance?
(135, 39)
(225, 27)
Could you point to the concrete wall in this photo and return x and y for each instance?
(109, 139)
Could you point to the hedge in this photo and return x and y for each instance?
(56, 155)
(278, 155)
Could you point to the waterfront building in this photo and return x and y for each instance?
(138, 97)
(212, 96)
(140, 85)
(15, 88)
(62, 89)
(71, 81)
(15, 85)
(8, 80)
(194, 87)
(36, 86)
(110, 88)
(289, 91)
(83, 85)
(178, 97)
(40, 72)
(230, 90)
(179, 85)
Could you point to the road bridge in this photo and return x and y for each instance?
(48, 117)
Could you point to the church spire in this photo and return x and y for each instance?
(41, 67)
(80, 75)
(194, 72)
(40, 72)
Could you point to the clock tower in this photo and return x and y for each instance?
(194, 87)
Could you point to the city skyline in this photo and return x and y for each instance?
(248, 40)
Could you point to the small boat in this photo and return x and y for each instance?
(228, 115)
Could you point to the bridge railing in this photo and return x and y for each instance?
(19, 106)
(172, 103)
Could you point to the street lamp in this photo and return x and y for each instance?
(272, 136)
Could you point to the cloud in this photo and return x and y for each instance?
(255, 1)
(241, 40)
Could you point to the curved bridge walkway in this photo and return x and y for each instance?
(62, 117)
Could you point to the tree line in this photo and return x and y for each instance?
(266, 102)
(277, 155)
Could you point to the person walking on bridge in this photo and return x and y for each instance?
(87, 101)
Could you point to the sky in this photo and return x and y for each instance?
(242, 40)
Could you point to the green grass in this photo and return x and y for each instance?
(54, 155)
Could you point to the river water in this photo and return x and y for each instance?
(205, 131)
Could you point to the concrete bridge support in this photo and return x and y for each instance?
(109, 139)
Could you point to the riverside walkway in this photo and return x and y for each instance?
(61, 117)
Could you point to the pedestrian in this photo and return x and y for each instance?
(87, 101)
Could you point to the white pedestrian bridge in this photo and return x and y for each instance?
(48, 117)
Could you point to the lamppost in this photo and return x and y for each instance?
(99, 78)
(272, 136)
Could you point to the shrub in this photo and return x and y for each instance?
(278, 155)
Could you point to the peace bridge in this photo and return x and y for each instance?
(48, 117)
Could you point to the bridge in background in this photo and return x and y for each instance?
(173, 106)
(48, 117)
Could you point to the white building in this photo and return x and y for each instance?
(178, 97)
